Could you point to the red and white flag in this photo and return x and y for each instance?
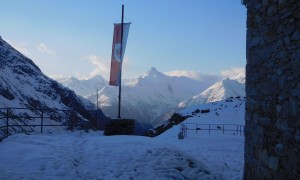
(116, 58)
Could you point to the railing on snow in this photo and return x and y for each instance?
(237, 129)
(8, 115)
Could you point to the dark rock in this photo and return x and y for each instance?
(205, 111)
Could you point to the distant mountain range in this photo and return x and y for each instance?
(149, 96)
(23, 85)
(84, 87)
(153, 97)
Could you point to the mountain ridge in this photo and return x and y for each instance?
(23, 85)
(228, 87)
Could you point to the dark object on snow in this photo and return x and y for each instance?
(119, 127)
(205, 111)
(180, 135)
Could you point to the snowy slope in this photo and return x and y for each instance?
(149, 96)
(219, 91)
(85, 87)
(23, 85)
(229, 111)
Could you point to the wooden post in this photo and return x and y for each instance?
(240, 129)
(223, 128)
(7, 113)
(42, 122)
(185, 130)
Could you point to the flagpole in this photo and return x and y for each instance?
(121, 55)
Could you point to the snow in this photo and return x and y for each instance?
(82, 155)
(229, 111)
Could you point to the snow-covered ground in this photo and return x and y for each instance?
(81, 155)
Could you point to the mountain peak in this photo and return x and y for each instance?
(152, 70)
(152, 73)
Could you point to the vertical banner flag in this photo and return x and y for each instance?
(116, 58)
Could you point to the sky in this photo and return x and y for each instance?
(74, 37)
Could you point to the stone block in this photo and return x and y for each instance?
(279, 149)
(265, 121)
(282, 125)
(273, 163)
(297, 135)
(296, 36)
(119, 127)
(263, 157)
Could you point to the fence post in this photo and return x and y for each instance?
(185, 127)
(240, 130)
(223, 128)
(208, 128)
(7, 112)
(42, 121)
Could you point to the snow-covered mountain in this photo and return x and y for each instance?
(84, 87)
(219, 91)
(148, 97)
(23, 85)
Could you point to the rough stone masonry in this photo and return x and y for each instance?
(272, 145)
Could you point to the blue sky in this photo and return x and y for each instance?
(74, 37)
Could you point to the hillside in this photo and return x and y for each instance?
(23, 85)
(229, 111)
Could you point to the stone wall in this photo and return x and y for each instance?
(272, 145)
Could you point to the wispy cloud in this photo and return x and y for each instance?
(194, 75)
(43, 48)
(232, 72)
(101, 66)
(20, 46)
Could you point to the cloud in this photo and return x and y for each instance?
(204, 78)
(57, 76)
(20, 46)
(43, 48)
(190, 74)
(194, 75)
(233, 72)
(101, 66)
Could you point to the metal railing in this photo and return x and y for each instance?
(236, 129)
(12, 117)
